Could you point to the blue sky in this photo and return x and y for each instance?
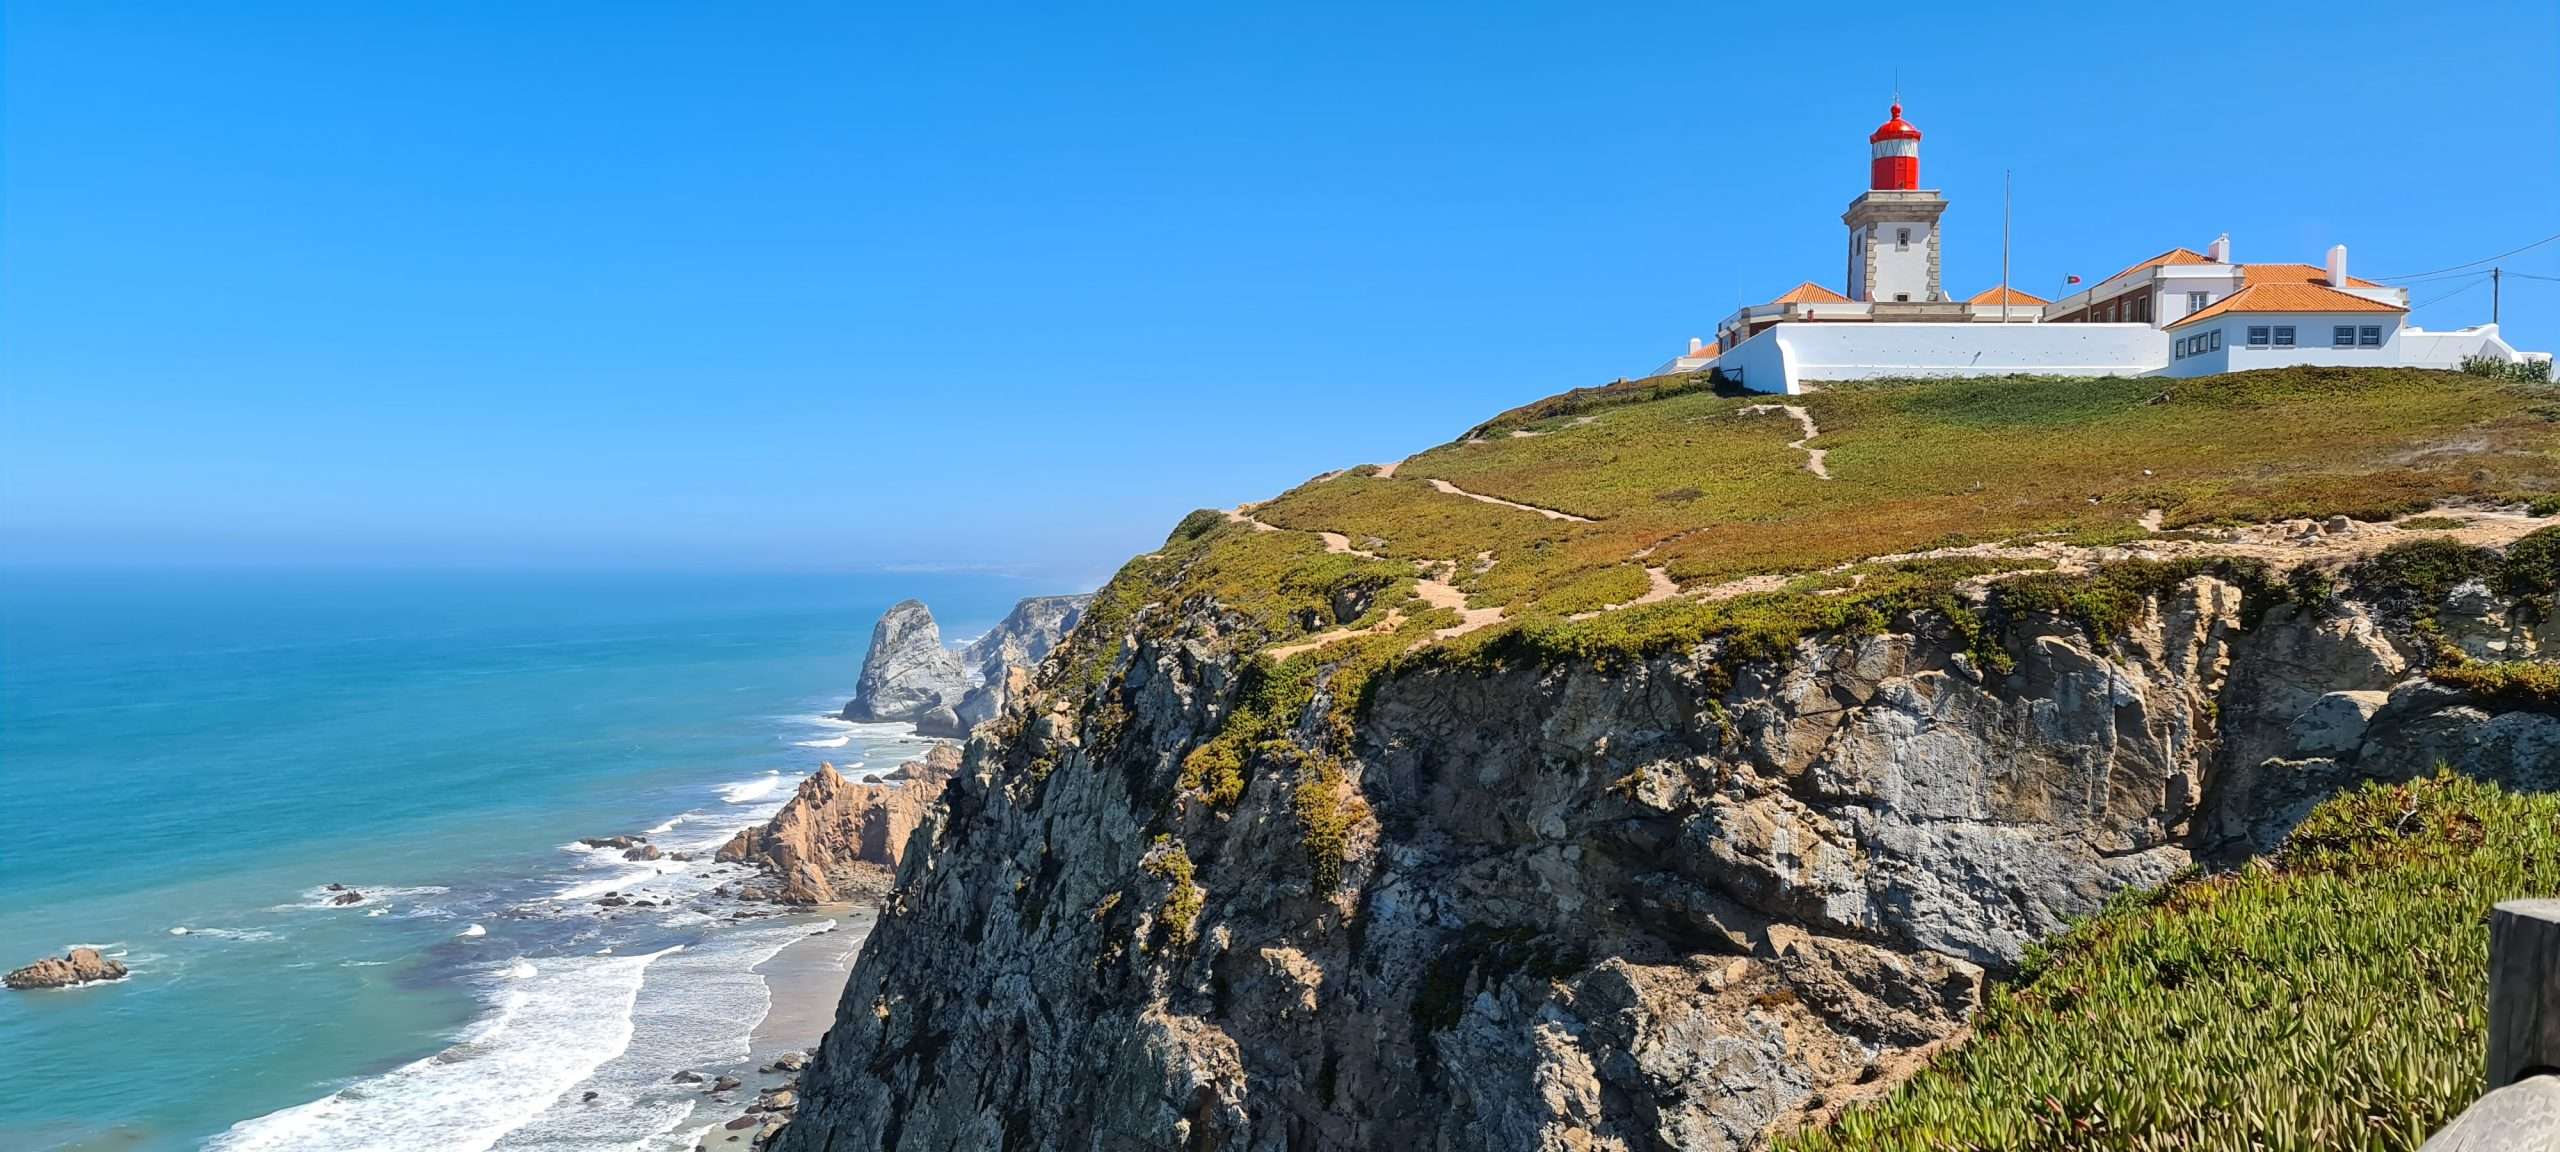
(968, 285)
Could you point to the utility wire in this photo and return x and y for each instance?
(2531, 276)
(2477, 263)
(2484, 278)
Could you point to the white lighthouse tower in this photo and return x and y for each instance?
(1893, 229)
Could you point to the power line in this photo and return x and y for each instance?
(2531, 276)
(2478, 262)
(2483, 279)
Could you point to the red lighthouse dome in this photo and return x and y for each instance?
(1897, 154)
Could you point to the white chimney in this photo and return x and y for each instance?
(2338, 266)
(1696, 345)
(2220, 250)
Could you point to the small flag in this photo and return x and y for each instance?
(2070, 279)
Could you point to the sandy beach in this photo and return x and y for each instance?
(806, 978)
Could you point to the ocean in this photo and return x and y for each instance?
(189, 761)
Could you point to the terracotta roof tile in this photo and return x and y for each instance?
(2172, 256)
(2282, 297)
(1810, 293)
(1992, 296)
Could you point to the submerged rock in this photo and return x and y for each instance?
(79, 966)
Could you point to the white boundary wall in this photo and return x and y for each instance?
(1784, 358)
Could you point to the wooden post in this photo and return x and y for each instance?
(2524, 991)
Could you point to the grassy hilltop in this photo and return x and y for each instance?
(1705, 489)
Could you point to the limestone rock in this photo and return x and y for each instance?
(79, 966)
(907, 670)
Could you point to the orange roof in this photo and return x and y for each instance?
(1810, 293)
(2172, 256)
(2295, 274)
(2281, 297)
(1992, 296)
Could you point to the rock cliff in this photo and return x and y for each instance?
(836, 839)
(1531, 900)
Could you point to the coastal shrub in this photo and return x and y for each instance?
(2531, 570)
(2415, 575)
(2532, 371)
(2330, 998)
(1328, 810)
(2107, 600)
(2431, 524)
(2530, 684)
(1166, 860)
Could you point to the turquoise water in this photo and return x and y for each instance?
(206, 752)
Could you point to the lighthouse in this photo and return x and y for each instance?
(1893, 227)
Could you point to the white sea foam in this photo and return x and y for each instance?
(750, 791)
(829, 742)
(548, 1030)
(474, 930)
(367, 895)
(246, 935)
(620, 881)
(695, 1011)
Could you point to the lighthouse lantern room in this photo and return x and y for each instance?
(1893, 226)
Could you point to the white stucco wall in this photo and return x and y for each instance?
(2312, 335)
(1786, 357)
(2420, 348)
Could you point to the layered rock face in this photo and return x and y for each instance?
(1669, 903)
(836, 839)
(908, 674)
(80, 966)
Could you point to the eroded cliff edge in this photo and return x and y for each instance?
(1537, 901)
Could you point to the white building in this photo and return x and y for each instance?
(2181, 313)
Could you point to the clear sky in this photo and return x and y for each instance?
(861, 285)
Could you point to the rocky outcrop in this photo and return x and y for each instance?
(79, 966)
(1669, 902)
(907, 672)
(836, 839)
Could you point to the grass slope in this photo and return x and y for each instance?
(2332, 1000)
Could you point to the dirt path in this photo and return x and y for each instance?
(1812, 456)
(1659, 586)
(2283, 545)
(1448, 488)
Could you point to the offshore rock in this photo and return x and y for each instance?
(79, 966)
(907, 671)
(836, 839)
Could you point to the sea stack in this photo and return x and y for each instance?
(907, 671)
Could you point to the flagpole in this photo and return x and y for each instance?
(2004, 245)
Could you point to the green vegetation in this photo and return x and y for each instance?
(2536, 371)
(2331, 1001)
(1678, 473)
(2506, 684)
(1168, 862)
(2431, 524)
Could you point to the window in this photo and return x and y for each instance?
(1902, 297)
(1901, 239)
(2343, 336)
(2197, 300)
(2213, 342)
(2180, 352)
(2257, 335)
(2284, 335)
(2370, 336)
